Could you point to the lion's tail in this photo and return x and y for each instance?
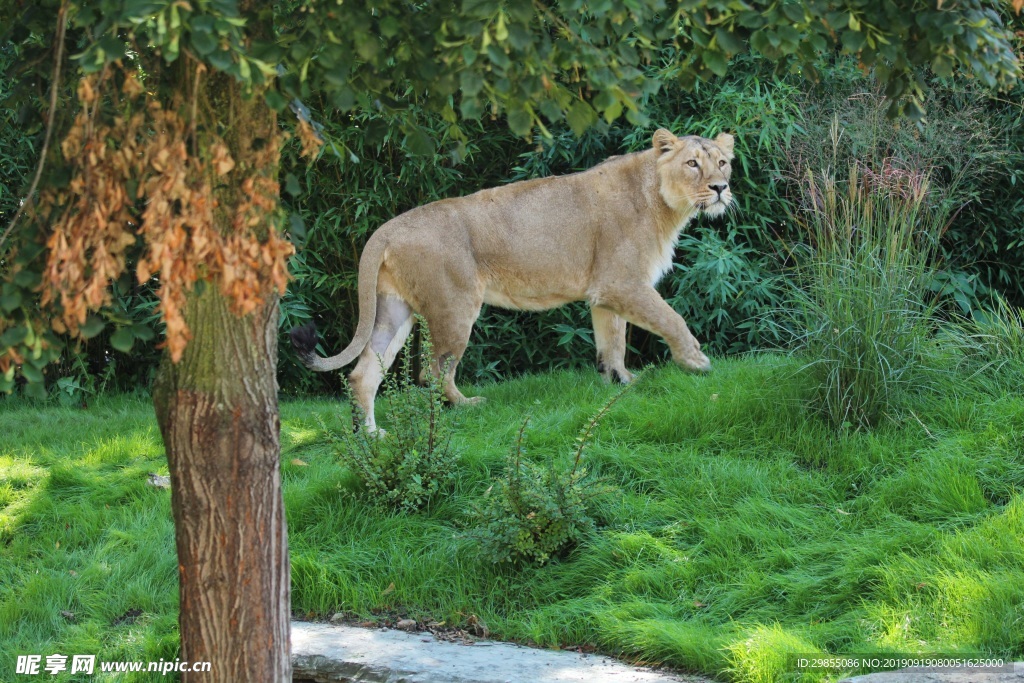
(304, 338)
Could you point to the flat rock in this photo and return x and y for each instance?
(1013, 674)
(326, 653)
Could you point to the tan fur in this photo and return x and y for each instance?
(605, 236)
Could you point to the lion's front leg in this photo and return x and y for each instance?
(610, 340)
(643, 306)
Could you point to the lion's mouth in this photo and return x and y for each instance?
(713, 207)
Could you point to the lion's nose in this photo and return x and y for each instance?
(719, 188)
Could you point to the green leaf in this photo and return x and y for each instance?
(137, 9)
(794, 11)
(752, 19)
(368, 46)
(853, 40)
(11, 300)
(942, 66)
(220, 60)
(172, 48)
(112, 47)
(275, 100)
(291, 185)
(13, 336)
(914, 110)
(389, 26)
(613, 111)
(93, 326)
(716, 61)
(472, 83)
(418, 142)
(471, 108)
(142, 332)
(580, 117)
(28, 279)
(728, 42)
(31, 373)
(297, 228)
(375, 131)
(520, 121)
(122, 339)
(498, 56)
(759, 41)
(344, 99)
(203, 42)
(36, 390)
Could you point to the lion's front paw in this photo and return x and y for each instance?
(620, 375)
(623, 375)
(475, 400)
(697, 363)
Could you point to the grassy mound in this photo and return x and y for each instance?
(744, 532)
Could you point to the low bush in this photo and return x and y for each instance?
(405, 467)
(535, 513)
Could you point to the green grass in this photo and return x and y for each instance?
(746, 530)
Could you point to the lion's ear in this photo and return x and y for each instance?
(663, 141)
(725, 143)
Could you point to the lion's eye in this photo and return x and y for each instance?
(721, 163)
(692, 163)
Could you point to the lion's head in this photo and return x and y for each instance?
(694, 171)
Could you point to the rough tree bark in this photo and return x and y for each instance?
(218, 414)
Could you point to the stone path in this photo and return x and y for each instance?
(325, 653)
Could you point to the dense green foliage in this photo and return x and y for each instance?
(745, 531)
(730, 275)
(532, 63)
(400, 135)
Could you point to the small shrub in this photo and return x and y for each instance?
(414, 460)
(535, 513)
(863, 305)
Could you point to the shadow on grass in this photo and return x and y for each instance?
(87, 547)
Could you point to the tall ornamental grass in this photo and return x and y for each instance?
(863, 309)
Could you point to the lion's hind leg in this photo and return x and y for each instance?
(450, 324)
(610, 340)
(390, 330)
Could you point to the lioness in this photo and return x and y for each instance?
(605, 235)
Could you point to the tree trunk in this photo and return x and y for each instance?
(218, 414)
